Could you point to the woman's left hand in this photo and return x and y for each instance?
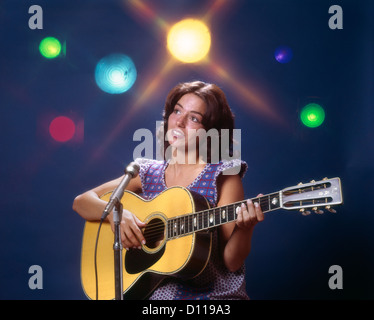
(249, 214)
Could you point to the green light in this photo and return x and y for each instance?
(50, 47)
(312, 115)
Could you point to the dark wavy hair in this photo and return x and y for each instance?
(218, 113)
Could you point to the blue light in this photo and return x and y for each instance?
(283, 54)
(115, 73)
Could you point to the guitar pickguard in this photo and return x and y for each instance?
(137, 261)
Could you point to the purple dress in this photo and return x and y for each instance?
(216, 282)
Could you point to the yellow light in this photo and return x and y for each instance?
(189, 40)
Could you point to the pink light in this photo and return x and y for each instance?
(62, 129)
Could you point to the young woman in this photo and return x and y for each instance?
(191, 107)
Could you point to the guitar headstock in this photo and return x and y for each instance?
(313, 196)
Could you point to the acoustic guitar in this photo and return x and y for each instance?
(178, 237)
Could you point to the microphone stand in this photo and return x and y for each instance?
(115, 204)
(117, 248)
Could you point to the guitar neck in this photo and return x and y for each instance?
(210, 218)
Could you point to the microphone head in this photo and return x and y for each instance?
(132, 169)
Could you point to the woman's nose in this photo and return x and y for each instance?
(181, 121)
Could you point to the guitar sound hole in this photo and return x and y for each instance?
(154, 233)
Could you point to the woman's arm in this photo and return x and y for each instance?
(236, 237)
(90, 207)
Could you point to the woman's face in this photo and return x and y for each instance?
(185, 119)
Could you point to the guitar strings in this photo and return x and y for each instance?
(180, 226)
(185, 227)
(231, 208)
(157, 229)
(201, 215)
(264, 201)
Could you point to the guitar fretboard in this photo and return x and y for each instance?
(206, 219)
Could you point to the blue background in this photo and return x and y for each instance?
(291, 254)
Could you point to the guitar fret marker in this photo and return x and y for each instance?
(237, 210)
(274, 201)
(211, 218)
(223, 214)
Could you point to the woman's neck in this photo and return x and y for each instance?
(183, 174)
(182, 159)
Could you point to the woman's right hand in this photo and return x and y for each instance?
(131, 233)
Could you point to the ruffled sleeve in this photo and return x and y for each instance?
(151, 174)
(232, 167)
(144, 165)
(229, 167)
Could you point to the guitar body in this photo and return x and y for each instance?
(143, 270)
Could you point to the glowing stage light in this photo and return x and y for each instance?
(189, 40)
(50, 47)
(115, 73)
(62, 129)
(312, 115)
(283, 54)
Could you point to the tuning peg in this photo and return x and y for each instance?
(325, 178)
(317, 211)
(313, 181)
(330, 209)
(300, 183)
(304, 212)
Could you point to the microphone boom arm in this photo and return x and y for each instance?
(131, 172)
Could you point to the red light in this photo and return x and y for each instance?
(62, 129)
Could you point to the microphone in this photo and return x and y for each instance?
(131, 172)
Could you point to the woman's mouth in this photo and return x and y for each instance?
(178, 134)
